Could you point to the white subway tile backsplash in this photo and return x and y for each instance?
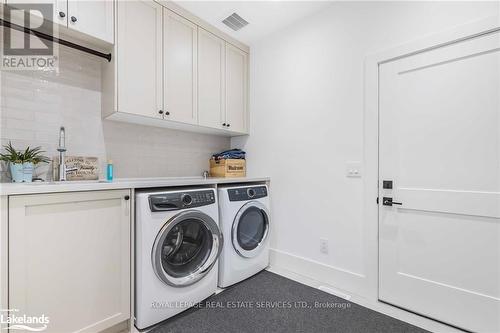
(16, 134)
(35, 104)
(17, 92)
(23, 103)
(48, 118)
(12, 113)
(156, 152)
(14, 124)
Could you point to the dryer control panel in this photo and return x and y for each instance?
(247, 193)
(180, 200)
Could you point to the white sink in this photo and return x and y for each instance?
(117, 180)
(66, 182)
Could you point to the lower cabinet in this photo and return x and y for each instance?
(69, 259)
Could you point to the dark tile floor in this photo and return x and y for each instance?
(271, 303)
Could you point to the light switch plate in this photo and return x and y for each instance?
(353, 169)
(323, 245)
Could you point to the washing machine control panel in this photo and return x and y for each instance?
(180, 200)
(247, 193)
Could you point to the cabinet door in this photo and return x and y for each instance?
(94, 18)
(69, 259)
(180, 68)
(211, 78)
(139, 57)
(59, 10)
(236, 89)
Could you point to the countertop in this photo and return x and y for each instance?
(119, 183)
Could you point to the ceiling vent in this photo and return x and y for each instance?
(235, 22)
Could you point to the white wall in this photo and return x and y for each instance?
(307, 121)
(34, 104)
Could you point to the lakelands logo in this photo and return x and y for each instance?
(22, 47)
(15, 321)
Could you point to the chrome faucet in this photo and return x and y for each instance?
(62, 154)
(63, 170)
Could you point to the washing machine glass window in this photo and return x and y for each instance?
(250, 229)
(186, 248)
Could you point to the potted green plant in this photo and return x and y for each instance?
(22, 163)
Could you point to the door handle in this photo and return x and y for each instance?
(386, 201)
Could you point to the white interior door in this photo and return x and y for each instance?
(180, 68)
(139, 40)
(94, 18)
(211, 79)
(440, 145)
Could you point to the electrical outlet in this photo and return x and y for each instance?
(323, 245)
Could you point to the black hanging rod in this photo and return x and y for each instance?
(39, 34)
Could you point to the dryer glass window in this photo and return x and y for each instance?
(186, 248)
(251, 228)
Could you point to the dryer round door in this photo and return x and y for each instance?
(250, 229)
(186, 248)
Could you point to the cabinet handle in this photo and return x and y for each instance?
(62, 14)
(167, 113)
(228, 125)
(224, 124)
(127, 197)
(160, 112)
(73, 19)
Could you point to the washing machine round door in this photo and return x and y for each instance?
(250, 229)
(186, 248)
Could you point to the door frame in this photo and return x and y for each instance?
(371, 126)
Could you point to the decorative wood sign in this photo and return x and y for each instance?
(80, 167)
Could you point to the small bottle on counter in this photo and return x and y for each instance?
(109, 171)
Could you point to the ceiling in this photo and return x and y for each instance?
(264, 17)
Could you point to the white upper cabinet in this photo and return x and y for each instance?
(180, 68)
(211, 78)
(236, 89)
(175, 71)
(59, 10)
(94, 18)
(139, 58)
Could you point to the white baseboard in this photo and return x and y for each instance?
(342, 278)
(323, 277)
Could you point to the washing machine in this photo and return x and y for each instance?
(245, 221)
(178, 242)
